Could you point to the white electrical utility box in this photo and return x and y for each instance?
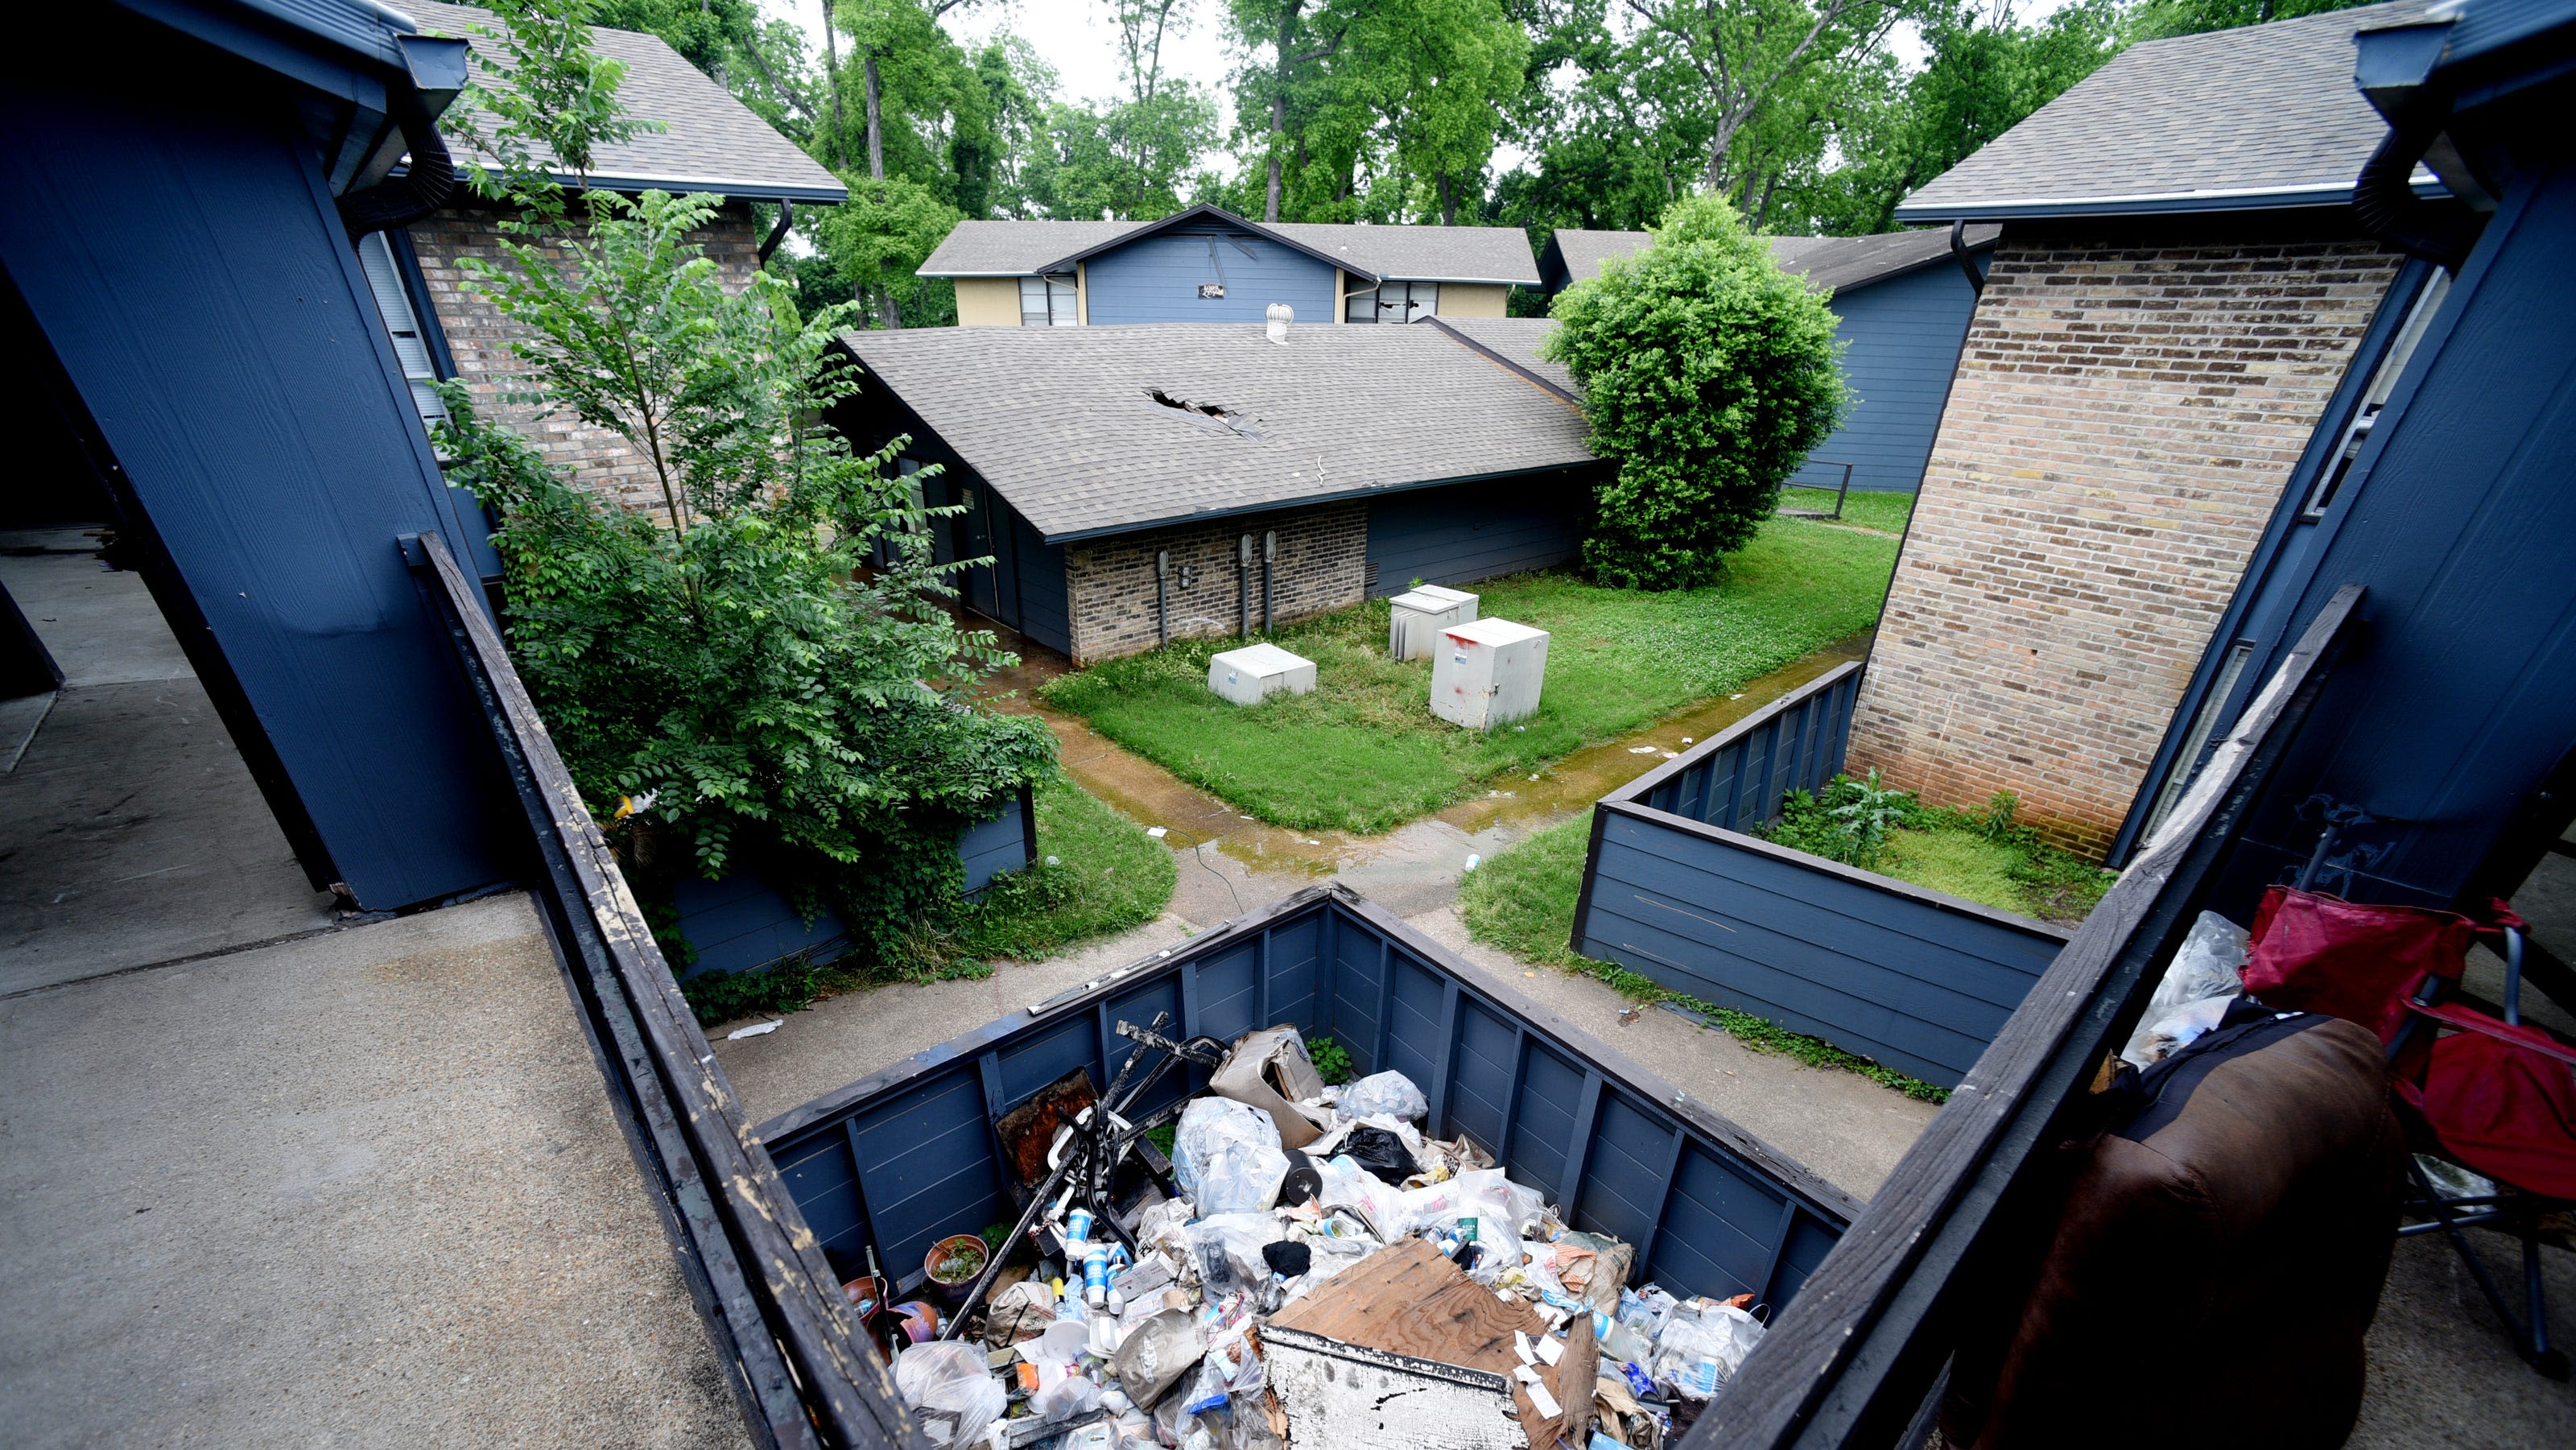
(1488, 673)
(1415, 619)
(1246, 675)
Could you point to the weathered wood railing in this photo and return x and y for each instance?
(1675, 888)
(1854, 1360)
(772, 1307)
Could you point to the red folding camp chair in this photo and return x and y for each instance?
(2490, 1094)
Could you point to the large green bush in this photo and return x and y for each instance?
(1708, 375)
(763, 677)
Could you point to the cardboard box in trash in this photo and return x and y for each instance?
(1268, 1069)
(1402, 1349)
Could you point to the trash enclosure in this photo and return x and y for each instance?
(1675, 888)
(904, 1158)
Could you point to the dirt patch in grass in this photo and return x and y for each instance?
(1363, 753)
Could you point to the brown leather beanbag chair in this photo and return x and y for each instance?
(2209, 1270)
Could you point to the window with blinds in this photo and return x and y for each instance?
(1393, 302)
(402, 324)
(1048, 302)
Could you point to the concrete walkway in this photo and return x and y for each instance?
(130, 831)
(360, 1189)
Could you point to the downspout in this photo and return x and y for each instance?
(1243, 585)
(1269, 560)
(421, 189)
(1162, 597)
(778, 233)
(2384, 199)
(1966, 259)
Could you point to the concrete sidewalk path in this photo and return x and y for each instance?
(360, 1189)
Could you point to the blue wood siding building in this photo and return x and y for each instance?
(1166, 277)
(1467, 532)
(180, 279)
(1902, 338)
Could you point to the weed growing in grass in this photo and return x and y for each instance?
(1522, 900)
(1097, 873)
(1986, 856)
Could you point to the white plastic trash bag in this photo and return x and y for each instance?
(949, 1383)
(1228, 1247)
(1227, 1157)
(1383, 1094)
(2208, 968)
(1700, 1347)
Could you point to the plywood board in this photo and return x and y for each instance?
(1388, 1317)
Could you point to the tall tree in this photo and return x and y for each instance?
(1746, 53)
(1374, 109)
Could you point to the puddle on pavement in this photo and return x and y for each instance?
(1145, 792)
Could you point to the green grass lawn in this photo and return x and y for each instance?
(1363, 751)
(1097, 873)
(1985, 857)
(1887, 511)
(1522, 900)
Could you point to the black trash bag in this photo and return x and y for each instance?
(1381, 1153)
(1288, 1258)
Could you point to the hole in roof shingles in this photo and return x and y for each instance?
(1217, 413)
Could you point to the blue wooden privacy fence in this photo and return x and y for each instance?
(1675, 890)
(908, 1156)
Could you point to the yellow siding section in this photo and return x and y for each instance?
(1472, 299)
(988, 301)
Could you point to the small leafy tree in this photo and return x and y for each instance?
(765, 676)
(1708, 375)
(768, 676)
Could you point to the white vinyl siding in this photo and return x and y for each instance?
(1393, 302)
(402, 324)
(1048, 302)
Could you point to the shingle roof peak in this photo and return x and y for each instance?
(709, 141)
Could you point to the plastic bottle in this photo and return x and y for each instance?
(1095, 1275)
(1068, 1301)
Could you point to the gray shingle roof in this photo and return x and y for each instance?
(1423, 254)
(1060, 421)
(2230, 120)
(1015, 249)
(1435, 254)
(1585, 251)
(1838, 263)
(1516, 340)
(709, 140)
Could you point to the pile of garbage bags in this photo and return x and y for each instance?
(1098, 1349)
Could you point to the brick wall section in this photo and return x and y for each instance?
(479, 338)
(1322, 554)
(2123, 423)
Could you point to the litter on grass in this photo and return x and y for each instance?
(1304, 1253)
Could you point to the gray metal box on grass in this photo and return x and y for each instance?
(1416, 617)
(1246, 675)
(1488, 673)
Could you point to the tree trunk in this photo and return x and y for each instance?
(1279, 103)
(1448, 201)
(876, 128)
(832, 83)
(892, 309)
